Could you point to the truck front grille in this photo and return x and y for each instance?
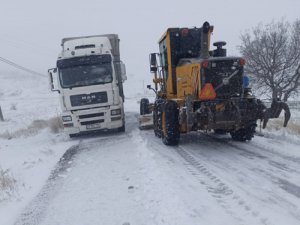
(89, 99)
(91, 122)
(91, 115)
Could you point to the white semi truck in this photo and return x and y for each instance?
(89, 79)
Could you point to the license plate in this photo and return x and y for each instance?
(93, 126)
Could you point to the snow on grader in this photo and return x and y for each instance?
(198, 89)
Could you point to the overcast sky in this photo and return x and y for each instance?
(31, 30)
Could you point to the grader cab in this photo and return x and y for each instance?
(200, 89)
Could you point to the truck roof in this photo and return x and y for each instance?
(109, 36)
(113, 39)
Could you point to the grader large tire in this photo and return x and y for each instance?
(157, 117)
(170, 123)
(144, 106)
(244, 134)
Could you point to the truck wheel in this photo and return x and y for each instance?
(244, 134)
(122, 128)
(220, 131)
(144, 106)
(157, 113)
(170, 123)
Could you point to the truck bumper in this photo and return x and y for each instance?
(95, 119)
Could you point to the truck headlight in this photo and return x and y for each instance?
(66, 118)
(115, 112)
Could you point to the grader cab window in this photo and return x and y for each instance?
(186, 43)
(164, 58)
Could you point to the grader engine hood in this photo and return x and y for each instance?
(225, 75)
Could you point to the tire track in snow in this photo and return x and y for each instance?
(218, 189)
(248, 150)
(34, 213)
(276, 162)
(198, 168)
(264, 170)
(271, 151)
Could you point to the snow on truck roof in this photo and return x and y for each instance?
(108, 41)
(84, 43)
(109, 36)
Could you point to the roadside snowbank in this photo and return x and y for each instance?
(31, 141)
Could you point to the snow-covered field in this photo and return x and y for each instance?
(30, 146)
(132, 178)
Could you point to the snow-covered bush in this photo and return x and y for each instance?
(7, 185)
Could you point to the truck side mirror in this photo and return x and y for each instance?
(51, 73)
(153, 63)
(123, 71)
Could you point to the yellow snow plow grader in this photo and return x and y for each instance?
(198, 89)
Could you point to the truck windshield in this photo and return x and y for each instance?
(85, 75)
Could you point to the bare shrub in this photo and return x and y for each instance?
(13, 107)
(55, 124)
(7, 185)
(293, 127)
(6, 135)
(38, 124)
(31, 130)
(272, 53)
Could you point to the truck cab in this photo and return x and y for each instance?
(89, 78)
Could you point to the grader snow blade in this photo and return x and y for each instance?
(145, 121)
(145, 118)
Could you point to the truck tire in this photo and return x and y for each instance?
(157, 113)
(170, 123)
(144, 106)
(122, 128)
(220, 131)
(244, 134)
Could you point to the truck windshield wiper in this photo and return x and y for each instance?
(79, 85)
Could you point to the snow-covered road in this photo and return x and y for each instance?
(132, 178)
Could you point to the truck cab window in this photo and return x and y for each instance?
(85, 75)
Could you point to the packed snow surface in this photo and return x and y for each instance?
(133, 178)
